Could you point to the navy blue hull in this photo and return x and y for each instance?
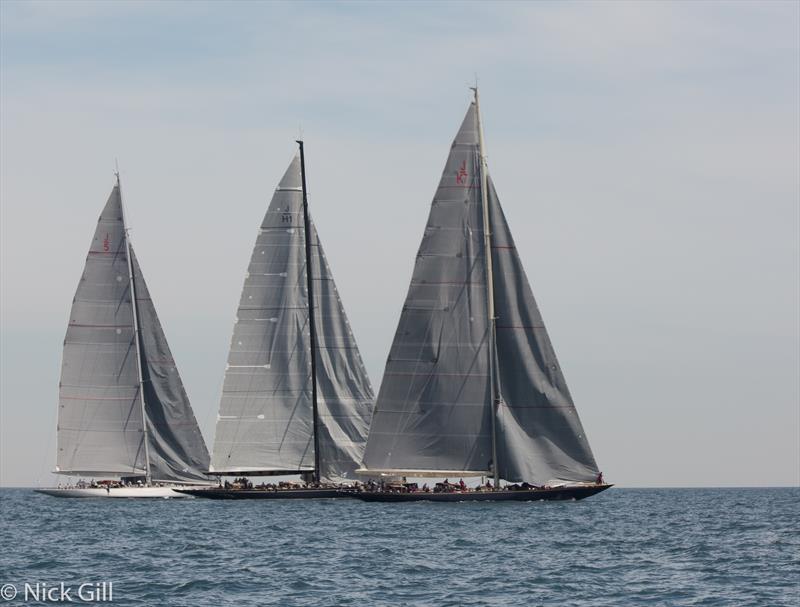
(532, 495)
(263, 494)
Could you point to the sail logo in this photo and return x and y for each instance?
(461, 174)
(106, 244)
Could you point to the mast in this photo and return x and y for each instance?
(487, 247)
(311, 316)
(136, 336)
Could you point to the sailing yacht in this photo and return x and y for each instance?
(296, 398)
(123, 414)
(472, 386)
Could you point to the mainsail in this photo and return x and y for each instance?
(100, 425)
(266, 419)
(122, 407)
(457, 392)
(432, 412)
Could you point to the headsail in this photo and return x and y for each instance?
(344, 394)
(100, 427)
(265, 423)
(539, 435)
(434, 409)
(177, 450)
(432, 412)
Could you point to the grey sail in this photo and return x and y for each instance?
(344, 394)
(434, 410)
(266, 422)
(265, 416)
(539, 435)
(100, 427)
(177, 451)
(432, 413)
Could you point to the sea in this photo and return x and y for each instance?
(731, 547)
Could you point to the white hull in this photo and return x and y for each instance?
(118, 492)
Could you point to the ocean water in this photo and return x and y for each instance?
(732, 547)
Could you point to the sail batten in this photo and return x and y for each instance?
(92, 472)
(423, 472)
(256, 471)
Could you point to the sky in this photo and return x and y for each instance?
(646, 156)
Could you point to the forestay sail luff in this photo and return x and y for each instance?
(432, 413)
(177, 451)
(422, 409)
(100, 425)
(266, 423)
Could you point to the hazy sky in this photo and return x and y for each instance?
(646, 155)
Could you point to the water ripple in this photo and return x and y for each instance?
(624, 547)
